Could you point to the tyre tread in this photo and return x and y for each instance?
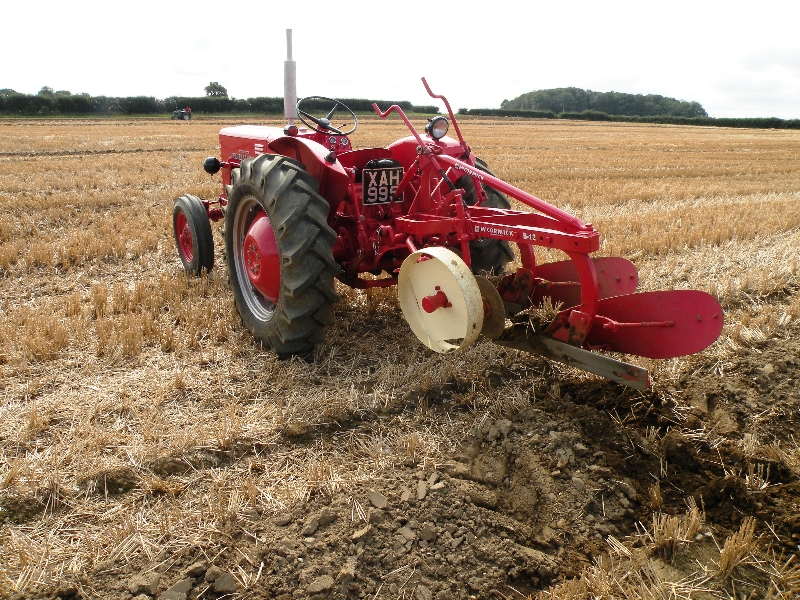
(299, 214)
(203, 238)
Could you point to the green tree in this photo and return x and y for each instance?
(215, 90)
(576, 100)
(46, 91)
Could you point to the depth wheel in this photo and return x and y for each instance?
(488, 255)
(193, 237)
(440, 299)
(279, 249)
(494, 312)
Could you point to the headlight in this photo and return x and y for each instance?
(212, 165)
(437, 127)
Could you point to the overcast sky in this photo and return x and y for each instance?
(737, 59)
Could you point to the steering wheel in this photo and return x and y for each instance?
(323, 124)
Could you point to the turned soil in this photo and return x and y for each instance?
(529, 499)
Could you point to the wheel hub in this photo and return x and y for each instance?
(185, 237)
(261, 258)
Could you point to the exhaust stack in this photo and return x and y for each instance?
(289, 83)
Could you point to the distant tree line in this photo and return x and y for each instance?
(49, 103)
(576, 100)
(593, 115)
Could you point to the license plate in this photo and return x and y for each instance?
(380, 185)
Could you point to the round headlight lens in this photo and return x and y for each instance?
(438, 127)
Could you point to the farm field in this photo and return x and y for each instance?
(148, 445)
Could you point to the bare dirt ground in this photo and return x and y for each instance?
(148, 448)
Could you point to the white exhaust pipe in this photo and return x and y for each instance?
(289, 82)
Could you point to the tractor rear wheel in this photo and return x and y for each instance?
(488, 255)
(193, 236)
(279, 249)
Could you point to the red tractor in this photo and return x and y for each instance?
(301, 209)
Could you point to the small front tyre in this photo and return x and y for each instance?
(279, 249)
(193, 236)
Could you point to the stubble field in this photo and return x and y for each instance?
(149, 447)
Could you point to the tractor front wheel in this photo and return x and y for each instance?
(193, 236)
(279, 249)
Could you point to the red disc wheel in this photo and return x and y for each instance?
(183, 237)
(256, 262)
(193, 237)
(261, 258)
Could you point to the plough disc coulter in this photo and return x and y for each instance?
(302, 208)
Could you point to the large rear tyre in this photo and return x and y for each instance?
(488, 255)
(279, 249)
(193, 237)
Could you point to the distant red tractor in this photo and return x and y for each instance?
(301, 209)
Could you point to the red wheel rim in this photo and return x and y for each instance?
(261, 258)
(184, 235)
